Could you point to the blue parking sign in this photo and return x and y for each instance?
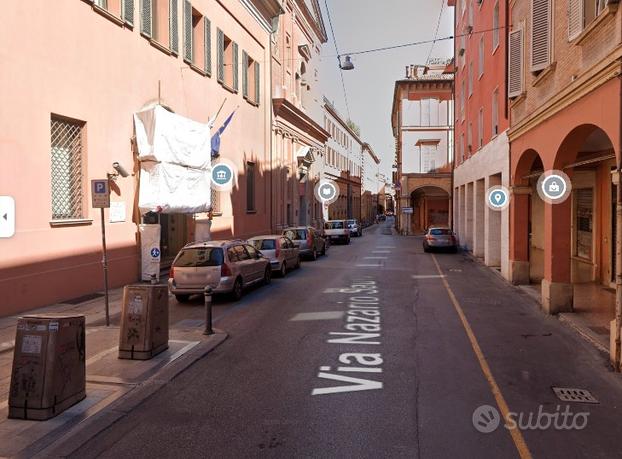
(100, 193)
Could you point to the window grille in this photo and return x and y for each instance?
(66, 169)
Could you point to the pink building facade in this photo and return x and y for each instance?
(68, 94)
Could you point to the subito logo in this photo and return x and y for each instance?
(486, 419)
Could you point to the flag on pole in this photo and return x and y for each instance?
(216, 136)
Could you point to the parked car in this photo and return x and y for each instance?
(310, 242)
(336, 230)
(225, 266)
(439, 238)
(280, 250)
(356, 229)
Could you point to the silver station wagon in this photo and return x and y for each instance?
(225, 266)
(280, 250)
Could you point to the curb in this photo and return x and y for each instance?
(562, 318)
(583, 333)
(121, 407)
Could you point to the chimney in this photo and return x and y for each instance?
(407, 73)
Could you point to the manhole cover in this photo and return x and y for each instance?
(570, 394)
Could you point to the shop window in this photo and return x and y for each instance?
(584, 206)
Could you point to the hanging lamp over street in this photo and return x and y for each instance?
(347, 65)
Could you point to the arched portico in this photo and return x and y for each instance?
(431, 207)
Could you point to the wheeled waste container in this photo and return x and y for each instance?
(49, 369)
(144, 321)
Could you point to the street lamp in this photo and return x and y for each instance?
(347, 65)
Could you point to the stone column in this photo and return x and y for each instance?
(478, 220)
(557, 291)
(519, 235)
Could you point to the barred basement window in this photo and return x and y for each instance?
(66, 168)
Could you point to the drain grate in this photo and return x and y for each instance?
(571, 394)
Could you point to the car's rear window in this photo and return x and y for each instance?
(264, 244)
(198, 257)
(439, 232)
(333, 225)
(296, 235)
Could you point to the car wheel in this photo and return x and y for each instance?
(238, 290)
(283, 270)
(267, 275)
(314, 255)
(426, 249)
(182, 298)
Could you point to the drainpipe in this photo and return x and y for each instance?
(618, 347)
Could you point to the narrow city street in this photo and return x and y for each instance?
(405, 385)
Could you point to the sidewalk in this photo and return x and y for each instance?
(110, 382)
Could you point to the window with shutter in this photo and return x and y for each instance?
(470, 79)
(257, 83)
(495, 112)
(221, 55)
(187, 31)
(173, 27)
(540, 34)
(208, 46)
(480, 129)
(245, 74)
(128, 12)
(235, 67)
(575, 18)
(515, 72)
(481, 56)
(145, 17)
(495, 26)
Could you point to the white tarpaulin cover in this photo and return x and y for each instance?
(175, 162)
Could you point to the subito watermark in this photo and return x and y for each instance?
(486, 419)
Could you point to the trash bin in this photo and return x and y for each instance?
(49, 369)
(144, 321)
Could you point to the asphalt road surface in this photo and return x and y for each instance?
(379, 350)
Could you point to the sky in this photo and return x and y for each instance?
(367, 24)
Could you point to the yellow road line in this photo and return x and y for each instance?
(517, 436)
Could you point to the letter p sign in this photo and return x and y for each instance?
(100, 193)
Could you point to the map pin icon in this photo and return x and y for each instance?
(498, 197)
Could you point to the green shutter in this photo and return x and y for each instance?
(208, 46)
(128, 11)
(187, 31)
(244, 74)
(221, 55)
(145, 18)
(236, 83)
(173, 27)
(257, 83)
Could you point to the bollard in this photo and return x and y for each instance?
(207, 292)
(153, 279)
